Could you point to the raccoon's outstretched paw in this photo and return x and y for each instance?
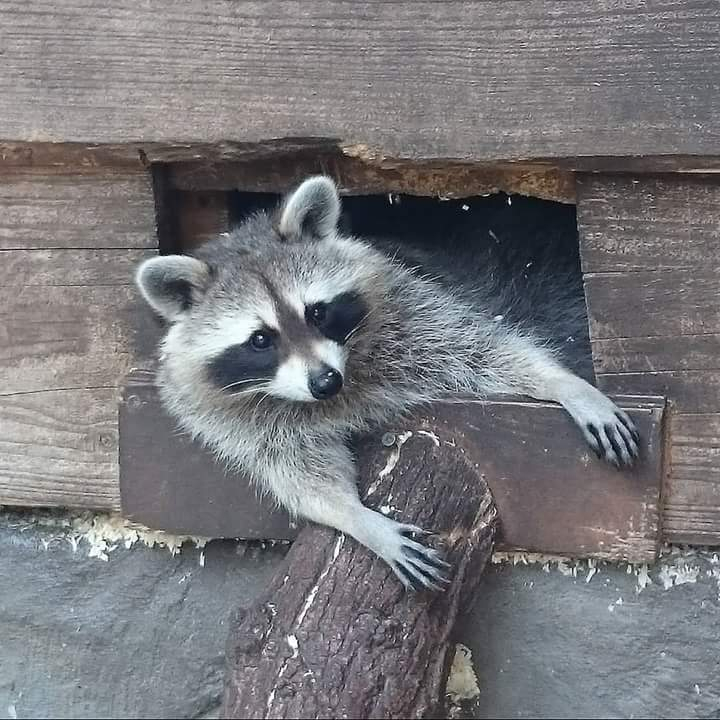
(610, 433)
(615, 441)
(417, 565)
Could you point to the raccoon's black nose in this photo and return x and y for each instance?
(325, 384)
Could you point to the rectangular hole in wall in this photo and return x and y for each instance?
(523, 237)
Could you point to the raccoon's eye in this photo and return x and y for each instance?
(316, 313)
(261, 340)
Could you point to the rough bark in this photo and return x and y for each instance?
(335, 635)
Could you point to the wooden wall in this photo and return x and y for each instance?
(417, 96)
(475, 81)
(651, 257)
(68, 328)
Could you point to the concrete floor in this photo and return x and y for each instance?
(142, 634)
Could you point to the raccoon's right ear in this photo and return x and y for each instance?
(312, 211)
(172, 283)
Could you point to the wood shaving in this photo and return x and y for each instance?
(462, 683)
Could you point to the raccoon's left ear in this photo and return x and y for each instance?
(312, 211)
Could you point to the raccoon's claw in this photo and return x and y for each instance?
(416, 565)
(615, 441)
(419, 566)
(607, 429)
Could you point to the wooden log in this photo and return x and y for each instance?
(335, 635)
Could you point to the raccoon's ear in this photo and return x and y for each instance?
(311, 211)
(172, 283)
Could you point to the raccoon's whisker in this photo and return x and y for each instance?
(248, 391)
(359, 325)
(264, 396)
(242, 382)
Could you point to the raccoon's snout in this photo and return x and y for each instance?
(325, 384)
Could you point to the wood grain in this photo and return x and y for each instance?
(358, 176)
(553, 495)
(559, 79)
(650, 248)
(41, 209)
(655, 302)
(691, 515)
(200, 216)
(672, 224)
(69, 328)
(68, 337)
(60, 448)
(63, 268)
(658, 353)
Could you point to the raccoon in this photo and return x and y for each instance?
(286, 337)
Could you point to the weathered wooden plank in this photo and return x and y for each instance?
(657, 353)
(695, 448)
(41, 209)
(90, 158)
(60, 448)
(70, 337)
(106, 266)
(551, 491)
(355, 176)
(692, 508)
(691, 391)
(201, 216)
(647, 303)
(671, 224)
(559, 79)
(651, 250)
(69, 244)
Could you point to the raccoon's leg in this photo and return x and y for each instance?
(324, 491)
(517, 364)
(607, 429)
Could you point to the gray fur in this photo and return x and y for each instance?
(429, 334)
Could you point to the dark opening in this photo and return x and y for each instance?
(525, 235)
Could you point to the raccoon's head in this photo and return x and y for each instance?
(273, 309)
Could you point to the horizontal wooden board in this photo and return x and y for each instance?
(45, 209)
(692, 509)
(695, 448)
(559, 79)
(691, 391)
(60, 448)
(356, 176)
(551, 491)
(105, 266)
(668, 303)
(670, 223)
(71, 337)
(657, 353)
(651, 251)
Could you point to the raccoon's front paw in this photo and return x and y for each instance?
(608, 430)
(417, 565)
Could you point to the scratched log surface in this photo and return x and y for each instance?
(334, 635)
